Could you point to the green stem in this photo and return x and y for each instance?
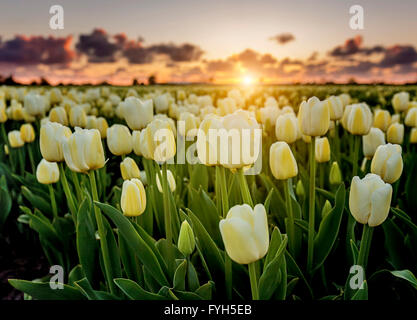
(244, 188)
(102, 233)
(67, 192)
(223, 190)
(21, 161)
(76, 183)
(253, 281)
(290, 231)
(356, 146)
(53, 201)
(167, 208)
(32, 161)
(311, 214)
(365, 245)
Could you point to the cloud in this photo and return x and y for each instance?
(398, 55)
(283, 38)
(353, 46)
(36, 49)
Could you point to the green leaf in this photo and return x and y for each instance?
(5, 201)
(43, 291)
(206, 290)
(406, 275)
(37, 201)
(329, 229)
(361, 294)
(199, 177)
(77, 273)
(135, 291)
(138, 245)
(394, 243)
(86, 241)
(179, 276)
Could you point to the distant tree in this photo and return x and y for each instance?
(135, 82)
(44, 82)
(152, 80)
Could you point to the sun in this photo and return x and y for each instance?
(247, 80)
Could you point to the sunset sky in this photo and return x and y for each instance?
(224, 41)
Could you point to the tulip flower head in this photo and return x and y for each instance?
(119, 140)
(58, 114)
(78, 117)
(314, 117)
(286, 128)
(83, 150)
(370, 199)
(133, 200)
(282, 162)
(357, 119)
(400, 101)
(322, 152)
(186, 239)
(413, 136)
(51, 137)
(335, 107)
(382, 119)
(129, 169)
(245, 233)
(47, 172)
(372, 141)
(411, 117)
(335, 175)
(387, 162)
(395, 133)
(171, 181)
(137, 113)
(157, 141)
(27, 132)
(15, 139)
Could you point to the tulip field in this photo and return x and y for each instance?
(201, 192)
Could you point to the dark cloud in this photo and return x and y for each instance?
(283, 38)
(398, 55)
(353, 46)
(178, 53)
(220, 66)
(98, 46)
(36, 49)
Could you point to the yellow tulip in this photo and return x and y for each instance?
(395, 118)
(387, 162)
(91, 122)
(102, 127)
(27, 132)
(171, 181)
(372, 141)
(282, 162)
(226, 106)
(322, 152)
(314, 117)
(245, 233)
(78, 117)
(370, 199)
(189, 124)
(3, 114)
(136, 142)
(58, 114)
(51, 136)
(395, 133)
(157, 141)
(335, 106)
(15, 139)
(411, 117)
(186, 239)
(382, 119)
(47, 172)
(133, 200)
(83, 150)
(286, 128)
(137, 113)
(357, 119)
(413, 135)
(129, 169)
(400, 101)
(119, 140)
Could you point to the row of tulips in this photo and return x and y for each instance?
(118, 203)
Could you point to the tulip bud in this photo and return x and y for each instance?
(326, 209)
(133, 200)
(47, 172)
(345, 99)
(286, 128)
(51, 136)
(357, 119)
(3, 115)
(335, 176)
(161, 103)
(137, 113)
(129, 169)
(411, 117)
(282, 162)
(382, 119)
(171, 181)
(27, 132)
(15, 139)
(78, 117)
(186, 240)
(245, 233)
(413, 135)
(58, 114)
(34, 104)
(83, 150)
(400, 101)
(91, 122)
(299, 189)
(6, 149)
(395, 118)
(157, 141)
(395, 133)
(335, 107)
(314, 117)
(371, 141)
(387, 162)
(322, 150)
(370, 199)
(189, 124)
(119, 140)
(102, 127)
(136, 142)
